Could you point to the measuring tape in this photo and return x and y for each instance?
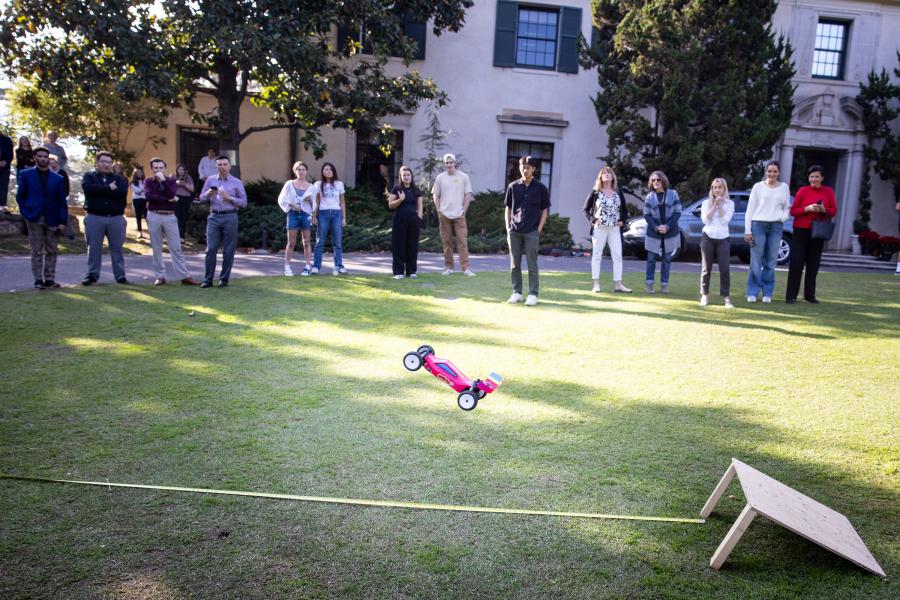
(361, 502)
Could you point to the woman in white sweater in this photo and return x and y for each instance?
(768, 209)
(716, 212)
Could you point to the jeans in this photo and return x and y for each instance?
(221, 231)
(763, 257)
(664, 268)
(526, 243)
(96, 227)
(329, 220)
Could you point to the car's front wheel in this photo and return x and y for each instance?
(467, 400)
(412, 361)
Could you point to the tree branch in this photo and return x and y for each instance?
(250, 130)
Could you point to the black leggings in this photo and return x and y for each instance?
(140, 211)
(805, 252)
(720, 251)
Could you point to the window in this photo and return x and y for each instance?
(831, 49)
(536, 38)
(414, 30)
(516, 149)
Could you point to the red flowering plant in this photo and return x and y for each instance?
(888, 244)
(869, 236)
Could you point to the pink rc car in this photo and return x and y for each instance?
(470, 392)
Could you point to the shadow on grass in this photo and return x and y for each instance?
(221, 400)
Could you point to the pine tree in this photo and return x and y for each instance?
(695, 88)
(878, 98)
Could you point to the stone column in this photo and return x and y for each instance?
(786, 158)
(848, 199)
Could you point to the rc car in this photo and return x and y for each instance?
(470, 391)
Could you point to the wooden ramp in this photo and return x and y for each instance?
(790, 509)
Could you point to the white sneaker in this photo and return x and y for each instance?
(767, 299)
(335, 272)
(469, 273)
(305, 272)
(751, 299)
(515, 298)
(288, 272)
(704, 300)
(596, 288)
(728, 303)
(413, 276)
(447, 272)
(531, 300)
(342, 270)
(398, 276)
(314, 271)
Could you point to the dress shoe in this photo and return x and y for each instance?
(39, 284)
(49, 283)
(812, 300)
(88, 280)
(791, 301)
(206, 284)
(189, 281)
(122, 280)
(223, 283)
(160, 281)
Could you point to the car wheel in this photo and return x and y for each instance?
(784, 250)
(412, 361)
(425, 350)
(744, 257)
(467, 400)
(640, 253)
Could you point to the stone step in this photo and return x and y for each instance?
(834, 259)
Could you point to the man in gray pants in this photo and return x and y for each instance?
(225, 194)
(105, 196)
(527, 204)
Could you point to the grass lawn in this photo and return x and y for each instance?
(614, 404)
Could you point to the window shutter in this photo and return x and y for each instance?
(568, 40)
(416, 31)
(505, 34)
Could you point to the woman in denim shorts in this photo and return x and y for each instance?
(295, 200)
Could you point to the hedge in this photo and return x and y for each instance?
(369, 227)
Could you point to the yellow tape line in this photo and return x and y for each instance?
(360, 502)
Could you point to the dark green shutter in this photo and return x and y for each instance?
(505, 34)
(416, 32)
(568, 40)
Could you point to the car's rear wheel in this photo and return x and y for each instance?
(467, 400)
(425, 350)
(412, 361)
(784, 249)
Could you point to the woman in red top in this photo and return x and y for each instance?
(812, 202)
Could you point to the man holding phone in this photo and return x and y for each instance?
(225, 194)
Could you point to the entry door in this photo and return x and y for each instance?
(804, 158)
(193, 143)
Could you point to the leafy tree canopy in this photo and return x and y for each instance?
(281, 54)
(878, 97)
(695, 88)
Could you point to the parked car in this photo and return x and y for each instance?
(691, 229)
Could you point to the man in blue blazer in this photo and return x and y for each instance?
(41, 197)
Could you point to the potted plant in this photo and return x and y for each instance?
(887, 245)
(868, 240)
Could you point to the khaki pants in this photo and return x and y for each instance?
(166, 226)
(448, 226)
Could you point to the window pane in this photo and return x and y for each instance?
(537, 32)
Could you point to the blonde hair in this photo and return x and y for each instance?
(724, 185)
(598, 184)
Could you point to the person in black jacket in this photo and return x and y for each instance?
(605, 209)
(6, 156)
(105, 196)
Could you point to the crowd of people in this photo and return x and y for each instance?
(162, 200)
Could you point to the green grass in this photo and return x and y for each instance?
(615, 404)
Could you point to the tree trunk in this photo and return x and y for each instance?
(230, 98)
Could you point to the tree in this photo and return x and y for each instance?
(878, 98)
(434, 140)
(100, 118)
(279, 54)
(695, 88)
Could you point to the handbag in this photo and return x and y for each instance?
(822, 229)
